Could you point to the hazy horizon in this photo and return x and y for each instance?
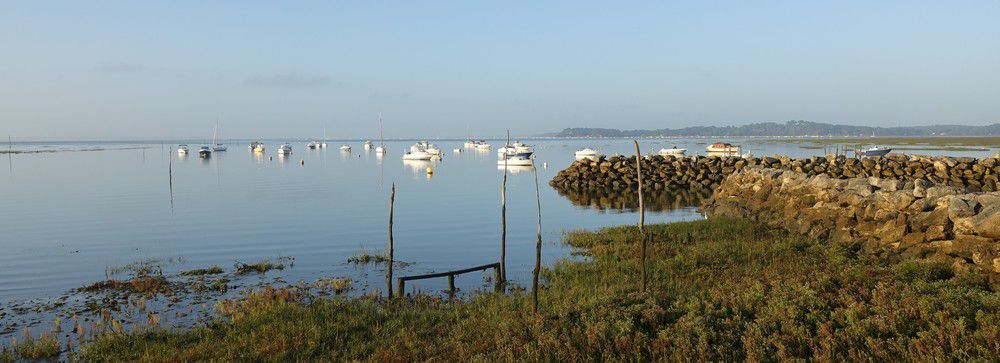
(169, 70)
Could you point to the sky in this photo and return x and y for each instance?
(172, 69)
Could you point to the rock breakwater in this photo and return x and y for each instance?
(690, 173)
(915, 216)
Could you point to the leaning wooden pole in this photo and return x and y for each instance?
(503, 218)
(538, 245)
(642, 215)
(392, 261)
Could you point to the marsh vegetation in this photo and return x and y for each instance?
(728, 290)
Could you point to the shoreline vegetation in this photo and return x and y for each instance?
(719, 290)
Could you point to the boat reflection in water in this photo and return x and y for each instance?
(653, 200)
(516, 169)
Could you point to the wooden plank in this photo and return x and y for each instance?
(447, 273)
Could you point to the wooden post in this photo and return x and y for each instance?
(388, 276)
(451, 284)
(496, 277)
(503, 219)
(642, 214)
(401, 286)
(538, 245)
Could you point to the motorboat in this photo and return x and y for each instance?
(312, 145)
(417, 155)
(255, 145)
(345, 147)
(515, 148)
(285, 149)
(182, 149)
(483, 145)
(723, 147)
(517, 160)
(259, 148)
(457, 151)
(220, 147)
(368, 145)
(205, 152)
(585, 153)
(876, 151)
(380, 149)
(673, 151)
(432, 149)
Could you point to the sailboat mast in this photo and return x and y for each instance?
(381, 141)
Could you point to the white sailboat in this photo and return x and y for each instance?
(215, 140)
(380, 149)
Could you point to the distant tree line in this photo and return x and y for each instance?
(790, 128)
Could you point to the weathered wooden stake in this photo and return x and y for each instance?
(451, 284)
(388, 277)
(538, 245)
(642, 214)
(503, 220)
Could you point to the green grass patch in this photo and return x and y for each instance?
(29, 348)
(264, 265)
(365, 258)
(720, 290)
(214, 270)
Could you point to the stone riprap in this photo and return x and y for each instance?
(914, 216)
(699, 172)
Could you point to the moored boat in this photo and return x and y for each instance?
(876, 151)
(673, 151)
(723, 147)
(182, 149)
(345, 147)
(585, 153)
(204, 151)
(285, 149)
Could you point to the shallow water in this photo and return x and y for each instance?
(68, 217)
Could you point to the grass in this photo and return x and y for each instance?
(720, 290)
(264, 265)
(44, 347)
(138, 284)
(214, 270)
(365, 258)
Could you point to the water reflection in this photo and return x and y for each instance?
(653, 200)
(516, 169)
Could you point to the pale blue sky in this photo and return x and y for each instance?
(144, 69)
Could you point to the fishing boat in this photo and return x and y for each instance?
(876, 151)
(673, 151)
(204, 152)
(215, 140)
(345, 147)
(368, 145)
(182, 149)
(723, 147)
(312, 145)
(285, 148)
(585, 153)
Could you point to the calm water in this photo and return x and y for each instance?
(68, 216)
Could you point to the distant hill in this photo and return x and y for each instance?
(790, 128)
